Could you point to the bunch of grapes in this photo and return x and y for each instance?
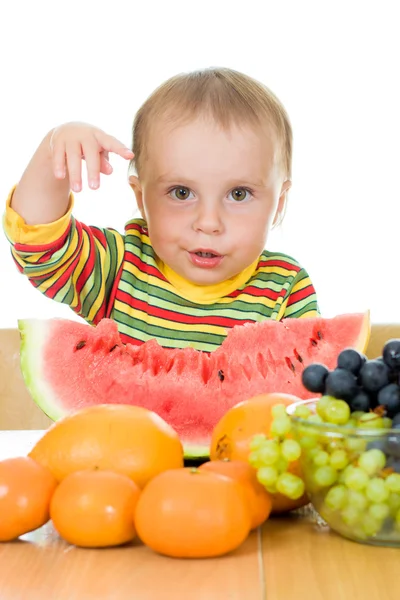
(364, 384)
(353, 479)
(273, 455)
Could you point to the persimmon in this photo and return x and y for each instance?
(94, 508)
(233, 433)
(189, 513)
(259, 501)
(127, 439)
(26, 488)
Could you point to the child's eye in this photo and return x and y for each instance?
(181, 193)
(240, 194)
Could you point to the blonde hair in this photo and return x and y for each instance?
(226, 95)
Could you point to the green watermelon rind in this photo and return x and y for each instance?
(33, 341)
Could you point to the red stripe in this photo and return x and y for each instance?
(255, 291)
(176, 317)
(132, 226)
(53, 290)
(99, 235)
(90, 261)
(301, 295)
(278, 263)
(51, 248)
(142, 266)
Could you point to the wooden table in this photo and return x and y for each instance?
(291, 558)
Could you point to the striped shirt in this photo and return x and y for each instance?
(98, 273)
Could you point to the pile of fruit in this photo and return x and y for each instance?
(348, 444)
(111, 473)
(108, 474)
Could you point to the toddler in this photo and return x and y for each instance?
(210, 167)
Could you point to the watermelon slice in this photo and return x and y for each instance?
(68, 365)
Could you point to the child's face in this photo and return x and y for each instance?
(209, 197)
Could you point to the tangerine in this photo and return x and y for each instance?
(26, 488)
(94, 509)
(259, 501)
(188, 513)
(127, 439)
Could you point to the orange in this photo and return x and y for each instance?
(259, 501)
(233, 433)
(188, 513)
(116, 437)
(25, 492)
(95, 509)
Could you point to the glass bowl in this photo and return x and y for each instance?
(354, 493)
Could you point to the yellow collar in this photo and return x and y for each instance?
(206, 294)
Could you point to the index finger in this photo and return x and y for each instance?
(111, 144)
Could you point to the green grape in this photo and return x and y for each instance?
(278, 410)
(315, 419)
(325, 476)
(334, 445)
(321, 458)
(343, 474)
(282, 465)
(303, 412)
(313, 451)
(290, 450)
(290, 486)
(337, 412)
(379, 511)
(370, 421)
(281, 426)
(269, 453)
(393, 483)
(356, 415)
(372, 461)
(397, 519)
(357, 499)
(376, 490)
(386, 422)
(257, 441)
(350, 515)
(393, 504)
(255, 459)
(322, 404)
(351, 424)
(271, 489)
(308, 442)
(336, 497)
(370, 525)
(267, 476)
(338, 460)
(356, 479)
(356, 445)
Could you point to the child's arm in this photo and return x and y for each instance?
(42, 195)
(64, 259)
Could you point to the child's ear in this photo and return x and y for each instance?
(281, 208)
(137, 189)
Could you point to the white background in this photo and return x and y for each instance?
(334, 65)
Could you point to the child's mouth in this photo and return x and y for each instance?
(206, 259)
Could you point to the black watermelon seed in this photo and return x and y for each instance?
(290, 364)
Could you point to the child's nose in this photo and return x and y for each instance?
(208, 219)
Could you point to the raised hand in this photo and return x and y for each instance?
(73, 142)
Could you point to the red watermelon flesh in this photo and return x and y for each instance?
(69, 365)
